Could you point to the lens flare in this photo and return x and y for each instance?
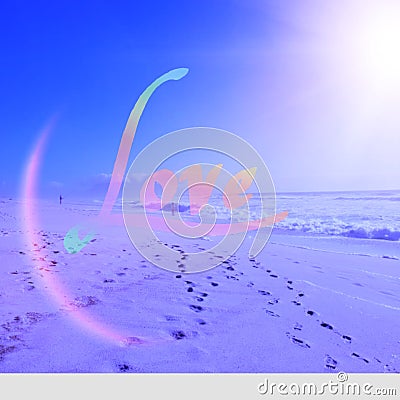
(34, 241)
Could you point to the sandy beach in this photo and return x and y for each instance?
(106, 309)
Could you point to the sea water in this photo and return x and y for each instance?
(359, 222)
(362, 222)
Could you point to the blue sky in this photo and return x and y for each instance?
(281, 74)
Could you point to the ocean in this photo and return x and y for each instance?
(359, 222)
(362, 222)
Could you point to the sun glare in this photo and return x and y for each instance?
(377, 47)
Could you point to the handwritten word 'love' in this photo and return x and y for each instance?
(199, 190)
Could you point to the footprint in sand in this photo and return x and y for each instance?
(346, 338)
(297, 326)
(297, 341)
(178, 335)
(356, 355)
(182, 267)
(330, 363)
(15, 327)
(390, 369)
(125, 368)
(272, 314)
(6, 350)
(327, 326)
(84, 301)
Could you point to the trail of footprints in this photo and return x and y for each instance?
(232, 274)
(330, 362)
(11, 330)
(198, 297)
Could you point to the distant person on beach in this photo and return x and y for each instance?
(61, 198)
(173, 208)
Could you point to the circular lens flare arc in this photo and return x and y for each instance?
(34, 241)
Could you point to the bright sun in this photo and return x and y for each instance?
(376, 46)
